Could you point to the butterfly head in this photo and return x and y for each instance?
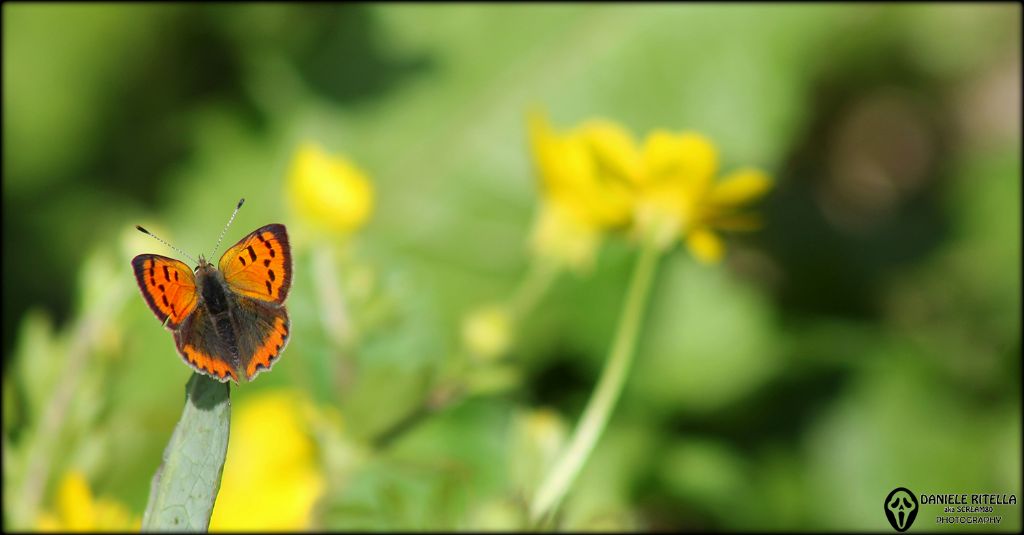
(205, 268)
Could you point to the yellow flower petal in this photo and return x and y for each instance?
(687, 157)
(271, 478)
(543, 146)
(740, 187)
(78, 510)
(570, 178)
(561, 162)
(111, 515)
(75, 504)
(328, 192)
(613, 151)
(705, 245)
(48, 522)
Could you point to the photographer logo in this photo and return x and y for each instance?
(901, 508)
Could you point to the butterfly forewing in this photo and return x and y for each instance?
(168, 286)
(259, 266)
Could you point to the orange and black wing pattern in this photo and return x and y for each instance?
(259, 266)
(265, 336)
(203, 349)
(168, 286)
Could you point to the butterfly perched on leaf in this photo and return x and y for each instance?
(229, 321)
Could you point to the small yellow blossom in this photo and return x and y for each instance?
(545, 431)
(271, 477)
(538, 435)
(487, 332)
(77, 510)
(573, 179)
(678, 195)
(664, 189)
(328, 192)
(579, 203)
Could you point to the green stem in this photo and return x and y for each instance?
(599, 408)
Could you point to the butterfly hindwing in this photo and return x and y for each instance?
(259, 266)
(203, 349)
(168, 286)
(265, 336)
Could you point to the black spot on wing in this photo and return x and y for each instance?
(242, 260)
(269, 290)
(270, 272)
(252, 254)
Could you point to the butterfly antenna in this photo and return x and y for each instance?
(233, 214)
(157, 238)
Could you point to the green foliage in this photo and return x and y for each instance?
(867, 337)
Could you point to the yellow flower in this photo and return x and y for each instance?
(677, 196)
(538, 435)
(271, 478)
(487, 332)
(580, 203)
(665, 189)
(573, 178)
(328, 192)
(78, 510)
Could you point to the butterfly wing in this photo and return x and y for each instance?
(264, 335)
(259, 266)
(201, 347)
(168, 286)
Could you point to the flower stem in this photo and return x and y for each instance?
(598, 410)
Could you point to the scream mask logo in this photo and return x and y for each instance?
(901, 508)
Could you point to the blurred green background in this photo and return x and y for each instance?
(867, 338)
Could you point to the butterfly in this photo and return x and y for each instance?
(229, 321)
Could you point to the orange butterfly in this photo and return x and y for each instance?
(231, 322)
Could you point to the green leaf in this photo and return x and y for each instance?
(185, 486)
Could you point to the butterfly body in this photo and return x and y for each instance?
(229, 323)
